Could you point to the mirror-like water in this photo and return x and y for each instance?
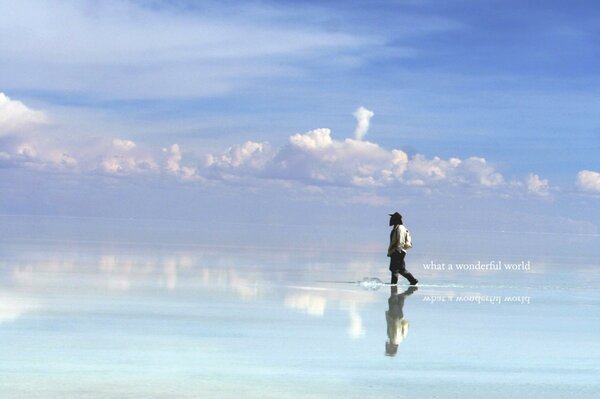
(79, 321)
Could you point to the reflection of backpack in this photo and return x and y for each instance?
(407, 240)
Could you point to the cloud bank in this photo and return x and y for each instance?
(314, 158)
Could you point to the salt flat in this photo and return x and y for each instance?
(90, 320)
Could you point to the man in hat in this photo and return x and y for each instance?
(399, 243)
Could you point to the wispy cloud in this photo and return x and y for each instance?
(128, 50)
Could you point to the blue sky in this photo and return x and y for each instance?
(484, 106)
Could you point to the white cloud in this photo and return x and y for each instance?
(95, 155)
(399, 163)
(174, 166)
(363, 117)
(250, 154)
(37, 153)
(84, 155)
(174, 159)
(124, 145)
(589, 180)
(477, 169)
(536, 185)
(431, 169)
(472, 171)
(14, 115)
(314, 159)
(117, 164)
(313, 140)
(119, 158)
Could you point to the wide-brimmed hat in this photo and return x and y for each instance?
(395, 218)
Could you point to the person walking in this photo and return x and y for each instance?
(400, 242)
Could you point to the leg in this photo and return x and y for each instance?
(395, 262)
(407, 275)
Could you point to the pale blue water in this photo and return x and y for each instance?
(98, 320)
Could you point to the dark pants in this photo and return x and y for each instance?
(397, 266)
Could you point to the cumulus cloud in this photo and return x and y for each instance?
(174, 160)
(14, 115)
(250, 154)
(363, 117)
(477, 169)
(536, 185)
(314, 159)
(589, 180)
(314, 140)
(36, 153)
(175, 167)
(119, 158)
(121, 165)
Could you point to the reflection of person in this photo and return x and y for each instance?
(397, 250)
(397, 326)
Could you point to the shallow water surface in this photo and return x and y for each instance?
(97, 321)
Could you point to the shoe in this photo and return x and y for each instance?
(415, 283)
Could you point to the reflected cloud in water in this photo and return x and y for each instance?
(123, 272)
(128, 317)
(310, 304)
(40, 282)
(12, 307)
(314, 302)
(356, 329)
(53, 279)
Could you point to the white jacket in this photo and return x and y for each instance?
(397, 239)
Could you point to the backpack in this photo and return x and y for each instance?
(407, 241)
